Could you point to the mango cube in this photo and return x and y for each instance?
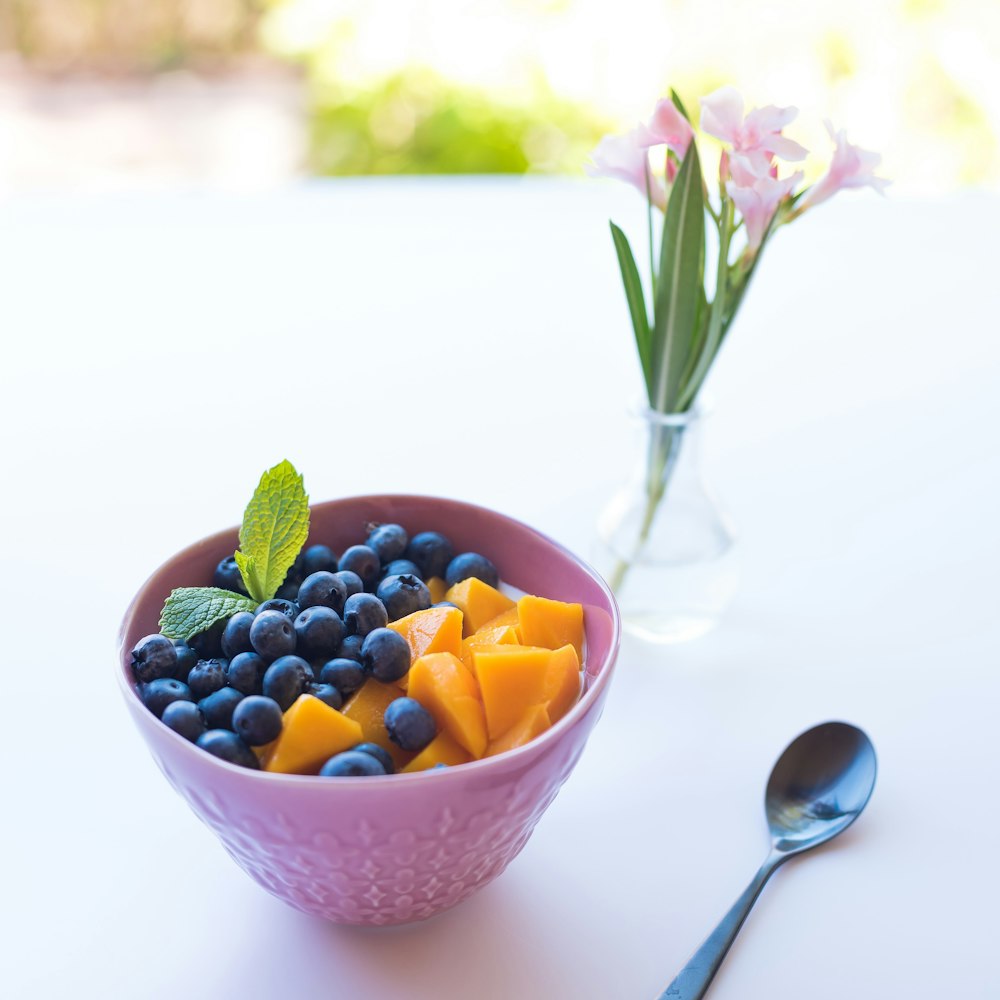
(436, 630)
(438, 589)
(511, 679)
(562, 682)
(479, 602)
(503, 635)
(312, 733)
(508, 617)
(533, 723)
(367, 709)
(550, 623)
(441, 750)
(447, 689)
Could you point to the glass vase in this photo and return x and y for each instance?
(663, 544)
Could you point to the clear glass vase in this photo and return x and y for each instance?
(663, 544)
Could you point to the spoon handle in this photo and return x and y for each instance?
(693, 980)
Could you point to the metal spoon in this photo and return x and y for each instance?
(817, 789)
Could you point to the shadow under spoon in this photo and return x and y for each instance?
(817, 789)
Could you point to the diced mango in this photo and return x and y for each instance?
(503, 635)
(437, 587)
(312, 732)
(550, 623)
(511, 680)
(367, 708)
(562, 682)
(436, 630)
(441, 750)
(508, 617)
(479, 602)
(447, 689)
(533, 723)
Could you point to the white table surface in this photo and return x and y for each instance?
(470, 338)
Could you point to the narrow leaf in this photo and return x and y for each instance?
(636, 302)
(681, 283)
(679, 104)
(190, 610)
(275, 526)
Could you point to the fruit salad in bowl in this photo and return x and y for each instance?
(371, 701)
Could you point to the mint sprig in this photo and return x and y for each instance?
(275, 527)
(190, 610)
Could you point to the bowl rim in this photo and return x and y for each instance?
(582, 705)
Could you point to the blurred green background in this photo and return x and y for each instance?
(496, 86)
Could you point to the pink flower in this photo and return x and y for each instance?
(758, 135)
(667, 127)
(757, 197)
(851, 167)
(626, 158)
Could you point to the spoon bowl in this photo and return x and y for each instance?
(819, 786)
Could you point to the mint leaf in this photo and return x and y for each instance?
(190, 610)
(275, 526)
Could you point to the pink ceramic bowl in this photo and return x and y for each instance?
(404, 847)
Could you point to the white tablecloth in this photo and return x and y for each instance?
(470, 338)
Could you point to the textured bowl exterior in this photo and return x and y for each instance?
(377, 851)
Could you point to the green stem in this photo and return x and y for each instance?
(663, 448)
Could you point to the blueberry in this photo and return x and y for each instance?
(288, 608)
(385, 655)
(272, 635)
(400, 566)
(432, 552)
(154, 657)
(446, 604)
(409, 724)
(236, 634)
(245, 672)
(364, 562)
(185, 718)
(308, 674)
(228, 576)
(208, 644)
(218, 707)
(343, 674)
(471, 564)
(351, 764)
(379, 753)
(388, 541)
(257, 720)
(186, 659)
(350, 648)
(363, 613)
(317, 558)
(318, 631)
(228, 746)
(163, 691)
(327, 694)
(285, 680)
(288, 591)
(402, 595)
(351, 581)
(207, 676)
(323, 590)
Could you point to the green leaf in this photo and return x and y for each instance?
(275, 526)
(681, 283)
(190, 610)
(679, 104)
(636, 302)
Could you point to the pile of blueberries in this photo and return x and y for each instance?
(324, 634)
